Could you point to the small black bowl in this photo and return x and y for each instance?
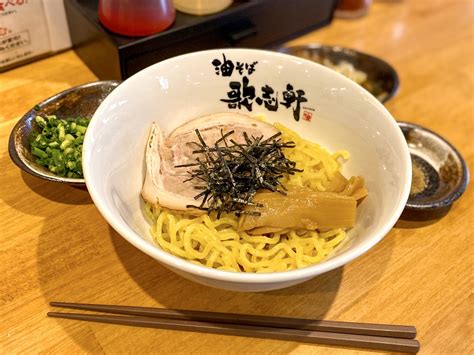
(382, 79)
(440, 174)
(79, 101)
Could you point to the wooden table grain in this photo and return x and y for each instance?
(56, 246)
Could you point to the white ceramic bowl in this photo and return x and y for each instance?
(344, 116)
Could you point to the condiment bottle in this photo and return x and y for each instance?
(136, 18)
(352, 8)
(201, 7)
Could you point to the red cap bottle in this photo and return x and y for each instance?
(136, 18)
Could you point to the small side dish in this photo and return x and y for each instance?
(77, 102)
(374, 74)
(440, 173)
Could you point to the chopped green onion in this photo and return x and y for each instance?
(62, 132)
(66, 143)
(58, 144)
(81, 129)
(39, 153)
(40, 121)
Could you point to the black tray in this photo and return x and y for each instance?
(250, 24)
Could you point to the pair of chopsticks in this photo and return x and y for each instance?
(400, 338)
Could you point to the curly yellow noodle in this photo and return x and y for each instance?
(217, 243)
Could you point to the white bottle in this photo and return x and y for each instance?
(201, 7)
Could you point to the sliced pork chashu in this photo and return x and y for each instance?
(164, 183)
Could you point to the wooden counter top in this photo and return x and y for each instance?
(56, 246)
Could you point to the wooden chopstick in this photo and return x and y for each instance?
(308, 336)
(223, 323)
(386, 330)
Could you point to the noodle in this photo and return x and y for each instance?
(217, 243)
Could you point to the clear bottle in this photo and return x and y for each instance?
(136, 18)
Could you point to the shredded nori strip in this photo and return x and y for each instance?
(229, 174)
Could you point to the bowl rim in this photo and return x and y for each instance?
(16, 156)
(311, 46)
(183, 265)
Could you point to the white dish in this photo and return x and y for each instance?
(344, 116)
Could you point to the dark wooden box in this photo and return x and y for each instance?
(248, 24)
